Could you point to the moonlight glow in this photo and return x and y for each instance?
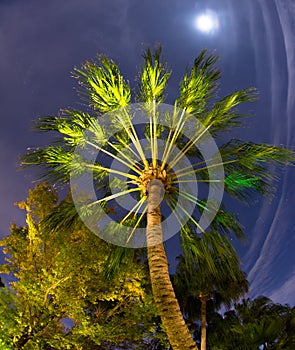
(207, 22)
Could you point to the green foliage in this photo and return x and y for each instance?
(72, 125)
(207, 276)
(209, 265)
(153, 77)
(198, 85)
(104, 84)
(236, 180)
(60, 275)
(253, 324)
(227, 223)
(246, 164)
(247, 167)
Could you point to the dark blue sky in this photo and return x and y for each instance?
(41, 42)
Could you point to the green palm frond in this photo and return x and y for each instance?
(227, 223)
(153, 77)
(243, 185)
(58, 163)
(198, 85)
(72, 124)
(212, 250)
(52, 123)
(246, 167)
(193, 252)
(64, 217)
(223, 115)
(104, 84)
(255, 157)
(118, 256)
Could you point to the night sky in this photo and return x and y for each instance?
(41, 42)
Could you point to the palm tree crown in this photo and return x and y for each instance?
(110, 133)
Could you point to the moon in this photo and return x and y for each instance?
(207, 22)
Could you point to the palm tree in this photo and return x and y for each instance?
(258, 323)
(262, 322)
(253, 324)
(287, 340)
(204, 277)
(149, 174)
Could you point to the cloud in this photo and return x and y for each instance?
(285, 294)
(269, 258)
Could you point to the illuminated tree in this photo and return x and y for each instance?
(59, 297)
(150, 175)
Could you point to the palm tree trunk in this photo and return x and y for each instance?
(163, 292)
(203, 322)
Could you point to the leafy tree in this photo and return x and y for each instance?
(59, 297)
(151, 172)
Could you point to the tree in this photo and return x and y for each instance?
(59, 297)
(150, 169)
(262, 322)
(287, 340)
(253, 324)
(199, 280)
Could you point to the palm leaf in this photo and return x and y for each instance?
(213, 252)
(103, 85)
(153, 77)
(247, 167)
(118, 256)
(223, 116)
(198, 84)
(64, 217)
(59, 164)
(227, 223)
(72, 125)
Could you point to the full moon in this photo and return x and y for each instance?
(207, 22)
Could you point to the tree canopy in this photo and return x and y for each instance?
(60, 297)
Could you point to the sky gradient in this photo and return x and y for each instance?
(40, 43)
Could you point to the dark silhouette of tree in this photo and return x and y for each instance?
(253, 324)
(200, 280)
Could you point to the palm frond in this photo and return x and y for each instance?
(243, 185)
(153, 77)
(72, 124)
(256, 156)
(211, 250)
(57, 162)
(198, 85)
(118, 256)
(227, 223)
(64, 218)
(223, 116)
(104, 87)
(246, 166)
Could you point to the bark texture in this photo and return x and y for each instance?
(203, 322)
(163, 292)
